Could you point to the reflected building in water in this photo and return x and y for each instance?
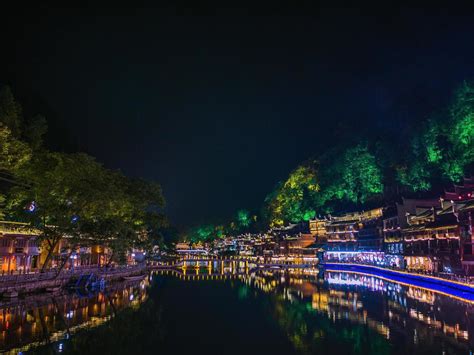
(315, 310)
(42, 319)
(414, 317)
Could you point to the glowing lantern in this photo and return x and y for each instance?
(31, 207)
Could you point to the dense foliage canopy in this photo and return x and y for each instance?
(354, 174)
(70, 197)
(368, 168)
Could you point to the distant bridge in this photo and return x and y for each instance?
(250, 263)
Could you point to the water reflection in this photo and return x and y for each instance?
(234, 310)
(404, 318)
(412, 309)
(48, 318)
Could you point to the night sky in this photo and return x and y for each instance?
(218, 105)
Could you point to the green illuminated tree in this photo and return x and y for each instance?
(243, 218)
(202, 234)
(361, 176)
(293, 200)
(416, 172)
(444, 149)
(460, 133)
(72, 196)
(207, 233)
(352, 176)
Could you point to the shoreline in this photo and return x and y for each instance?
(13, 287)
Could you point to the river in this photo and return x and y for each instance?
(265, 312)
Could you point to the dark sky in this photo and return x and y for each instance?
(220, 104)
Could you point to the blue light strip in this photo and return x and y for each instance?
(445, 287)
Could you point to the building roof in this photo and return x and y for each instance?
(342, 223)
(467, 206)
(414, 228)
(317, 246)
(443, 221)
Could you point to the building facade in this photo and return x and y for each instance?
(19, 250)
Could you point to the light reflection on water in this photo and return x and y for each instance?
(397, 312)
(303, 309)
(46, 318)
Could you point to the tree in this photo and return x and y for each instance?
(243, 218)
(347, 175)
(460, 133)
(206, 233)
(145, 202)
(34, 131)
(443, 151)
(72, 196)
(13, 155)
(202, 234)
(166, 236)
(360, 175)
(293, 200)
(30, 131)
(10, 111)
(13, 152)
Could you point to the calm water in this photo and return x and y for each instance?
(269, 312)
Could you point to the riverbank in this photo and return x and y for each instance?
(12, 286)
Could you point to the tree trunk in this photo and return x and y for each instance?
(64, 263)
(47, 260)
(111, 259)
(52, 243)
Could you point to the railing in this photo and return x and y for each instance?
(257, 260)
(67, 273)
(443, 275)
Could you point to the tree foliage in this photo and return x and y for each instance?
(243, 218)
(205, 233)
(444, 149)
(361, 177)
(352, 175)
(440, 151)
(11, 113)
(70, 196)
(34, 131)
(13, 152)
(73, 196)
(292, 200)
